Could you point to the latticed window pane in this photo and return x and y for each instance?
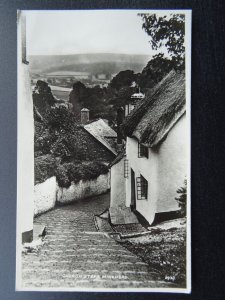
(142, 151)
(142, 188)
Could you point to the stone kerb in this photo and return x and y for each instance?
(48, 193)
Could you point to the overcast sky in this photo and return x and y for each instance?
(86, 31)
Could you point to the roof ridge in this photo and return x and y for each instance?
(145, 105)
(150, 120)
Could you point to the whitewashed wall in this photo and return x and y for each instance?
(165, 170)
(83, 189)
(118, 185)
(172, 166)
(45, 195)
(147, 167)
(25, 147)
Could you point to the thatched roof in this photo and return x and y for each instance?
(103, 133)
(157, 113)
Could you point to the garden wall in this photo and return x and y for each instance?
(47, 193)
(83, 189)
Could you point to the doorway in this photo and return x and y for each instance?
(133, 193)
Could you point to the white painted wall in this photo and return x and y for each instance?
(45, 195)
(25, 145)
(118, 185)
(148, 168)
(165, 171)
(172, 166)
(83, 189)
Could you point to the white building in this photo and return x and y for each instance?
(68, 75)
(135, 98)
(25, 145)
(153, 166)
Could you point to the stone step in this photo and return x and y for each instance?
(122, 215)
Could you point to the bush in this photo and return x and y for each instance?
(76, 171)
(62, 176)
(44, 141)
(44, 167)
(60, 118)
(182, 198)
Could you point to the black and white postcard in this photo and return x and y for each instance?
(103, 181)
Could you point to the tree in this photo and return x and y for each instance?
(60, 118)
(123, 78)
(79, 87)
(168, 32)
(122, 97)
(155, 70)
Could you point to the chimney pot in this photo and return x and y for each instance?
(84, 114)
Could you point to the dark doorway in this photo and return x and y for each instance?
(133, 194)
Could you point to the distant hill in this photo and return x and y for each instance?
(92, 63)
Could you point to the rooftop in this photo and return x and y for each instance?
(156, 114)
(103, 133)
(138, 95)
(67, 73)
(119, 157)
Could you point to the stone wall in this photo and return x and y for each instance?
(83, 189)
(45, 195)
(48, 193)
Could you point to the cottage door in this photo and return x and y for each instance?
(133, 193)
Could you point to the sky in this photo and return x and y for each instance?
(86, 31)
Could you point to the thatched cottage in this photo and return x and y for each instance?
(146, 176)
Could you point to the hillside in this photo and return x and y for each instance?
(93, 63)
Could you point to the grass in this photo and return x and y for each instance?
(164, 250)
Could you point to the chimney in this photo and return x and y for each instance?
(84, 115)
(119, 119)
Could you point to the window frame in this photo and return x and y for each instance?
(126, 168)
(142, 151)
(142, 188)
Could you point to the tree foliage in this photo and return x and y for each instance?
(123, 78)
(79, 88)
(182, 198)
(168, 32)
(60, 118)
(155, 70)
(122, 97)
(75, 172)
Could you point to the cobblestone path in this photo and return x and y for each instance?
(75, 255)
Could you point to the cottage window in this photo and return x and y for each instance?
(142, 151)
(126, 168)
(128, 108)
(142, 188)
